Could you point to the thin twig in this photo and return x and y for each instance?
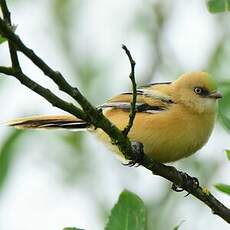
(6, 70)
(7, 19)
(133, 111)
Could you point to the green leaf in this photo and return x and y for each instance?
(228, 154)
(2, 39)
(128, 214)
(217, 6)
(6, 153)
(223, 188)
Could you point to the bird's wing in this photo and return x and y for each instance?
(157, 84)
(150, 99)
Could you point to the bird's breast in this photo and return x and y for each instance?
(169, 135)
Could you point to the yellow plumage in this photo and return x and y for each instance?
(173, 120)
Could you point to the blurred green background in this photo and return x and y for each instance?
(49, 180)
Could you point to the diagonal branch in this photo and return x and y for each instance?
(188, 184)
(44, 92)
(94, 116)
(56, 76)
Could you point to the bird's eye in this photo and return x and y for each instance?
(201, 91)
(198, 90)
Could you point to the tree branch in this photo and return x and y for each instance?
(7, 19)
(92, 115)
(188, 184)
(44, 92)
(95, 117)
(6, 70)
(133, 111)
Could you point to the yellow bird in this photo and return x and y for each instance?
(173, 119)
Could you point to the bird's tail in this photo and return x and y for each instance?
(49, 122)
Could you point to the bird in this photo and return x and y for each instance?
(173, 119)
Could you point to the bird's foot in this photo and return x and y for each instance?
(191, 183)
(177, 188)
(138, 154)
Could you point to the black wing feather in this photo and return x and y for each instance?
(140, 107)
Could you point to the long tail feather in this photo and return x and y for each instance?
(49, 122)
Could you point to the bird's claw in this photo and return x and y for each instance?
(177, 188)
(192, 183)
(138, 152)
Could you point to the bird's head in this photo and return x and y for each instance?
(198, 91)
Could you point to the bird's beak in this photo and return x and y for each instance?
(215, 95)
